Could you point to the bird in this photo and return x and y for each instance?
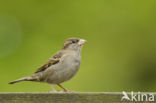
(61, 67)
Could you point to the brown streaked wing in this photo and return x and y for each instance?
(52, 61)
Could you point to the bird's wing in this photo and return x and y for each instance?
(52, 61)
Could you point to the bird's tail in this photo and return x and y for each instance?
(29, 78)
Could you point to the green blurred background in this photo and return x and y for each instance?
(120, 53)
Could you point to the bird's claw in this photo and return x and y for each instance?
(65, 91)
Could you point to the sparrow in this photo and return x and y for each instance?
(61, 67)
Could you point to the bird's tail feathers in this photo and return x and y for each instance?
(29, 78)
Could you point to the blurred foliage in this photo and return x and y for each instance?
(120, 53)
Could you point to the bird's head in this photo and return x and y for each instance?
(73, 44)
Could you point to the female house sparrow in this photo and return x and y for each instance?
(60, 67)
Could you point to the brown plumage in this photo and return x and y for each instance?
(60, 67)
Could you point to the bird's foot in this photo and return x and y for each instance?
(64, 91)
(57, 92)
(69, 91)
(53, 91)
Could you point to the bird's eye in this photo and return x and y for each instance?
(73, 41)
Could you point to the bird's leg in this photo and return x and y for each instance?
(64, 89)
(53, 89)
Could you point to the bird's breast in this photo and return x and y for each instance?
(71, 65)
(65, 69)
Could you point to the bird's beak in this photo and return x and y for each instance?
(81, 42)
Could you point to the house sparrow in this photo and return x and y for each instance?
(60, 67)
